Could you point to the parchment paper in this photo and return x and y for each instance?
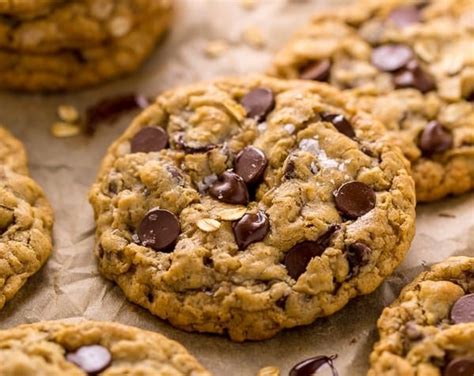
(69, 286)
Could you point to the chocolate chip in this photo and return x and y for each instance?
(91, 359)
(310, 366)
(435, 139)
(463, 310)
(258, 103)
(354, 199)
(462, 366)
(159, 229)
(109, 109)
(149, 139)
(357, 255)
(340, 123)
(316, 70)
(298, 257)
(413, 76)
(405, 16)
(391, 57)
(250, 165)
(230, 188)
(250, 228)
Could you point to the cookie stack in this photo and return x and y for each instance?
(66, 45)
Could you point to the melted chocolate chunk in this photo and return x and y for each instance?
(463, 310)
(461, 366)
(316, 70)
(357, 255)
(149, 139)
(251, 228)
(258, 103)
(298, 257)
(159, 229)
(91, 359)
(435, 139)
(310, 367)
(413, 76)
(391, 57)
(341, 123)
(109, 109)
(250, 165)
(405, 16)
(230, 188)
(354, 199)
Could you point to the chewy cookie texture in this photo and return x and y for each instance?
(429, 329)
(26, 220)
(58, 348)
(246, 206)
(409, 63)
(76, 44)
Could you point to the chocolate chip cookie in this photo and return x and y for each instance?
(249, 205)
(25, 220)
(429, 329)
(80, 43)
(55, 348)
(411, 64)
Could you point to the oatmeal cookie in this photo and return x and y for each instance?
(121, 44)
(429, 329)
(411, 64)
(25, 220)
(249, 205)
(55, 348)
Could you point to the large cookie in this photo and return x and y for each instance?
(25, 220)
(52, 54)
(251, 205)
(55, 348)
(411, 64)
(429, 329)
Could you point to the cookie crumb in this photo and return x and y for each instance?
(208, 225)
(216, 48)
(269, 371)
(68, 114)
(248, 4)
(253, 37)
(62, 129)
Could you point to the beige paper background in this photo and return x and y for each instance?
(69, 286)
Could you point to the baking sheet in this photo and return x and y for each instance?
(69, 286)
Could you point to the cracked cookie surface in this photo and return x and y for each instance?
(55, 348)
(80, 43)
(409, 63)
(246, 206)
(429, 329)
(26, 220)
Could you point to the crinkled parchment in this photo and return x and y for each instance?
(69, 286)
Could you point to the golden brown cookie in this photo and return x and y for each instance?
(80, 44)
(429, 329)
(249, 205)
(55, 348)
(409, 63)
(26, 220)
